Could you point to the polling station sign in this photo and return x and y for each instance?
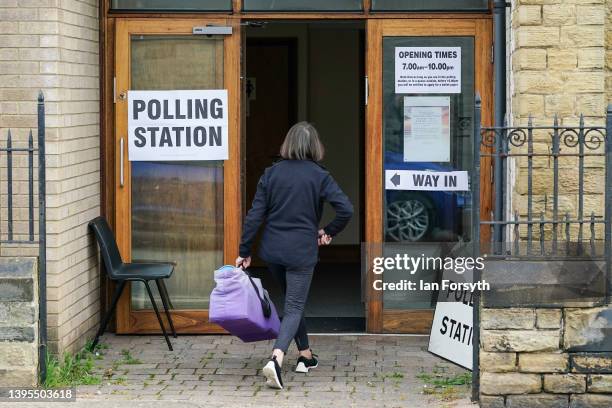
(427, 70)
(452, 329)
(177, 125)
(423, 180)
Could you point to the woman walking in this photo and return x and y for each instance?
(289, 202)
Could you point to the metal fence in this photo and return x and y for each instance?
(550, 232)
(524, 232)
(10, 236)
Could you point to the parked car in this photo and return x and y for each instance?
(422, 215)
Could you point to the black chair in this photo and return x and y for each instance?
(120, 273)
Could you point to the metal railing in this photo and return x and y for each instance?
(584, 143)
(524, 233)
(11, 236)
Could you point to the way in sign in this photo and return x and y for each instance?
(431, 180)
(426, 180)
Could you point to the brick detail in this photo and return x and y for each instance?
(565, 383)
(543, 362)
(509, 383)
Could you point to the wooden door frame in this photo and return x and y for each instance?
(480, 22)
(379, 320)
(185, 321)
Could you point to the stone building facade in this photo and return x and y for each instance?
(558, 52)
(560, 65)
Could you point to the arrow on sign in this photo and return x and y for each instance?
(395, 180)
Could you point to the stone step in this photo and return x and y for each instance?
(17, 279)
(18, 321)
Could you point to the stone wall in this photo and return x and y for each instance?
(533, 357)
(558, 58)
(558, 67)
(609, 52)
(18, 322)
(53, 46)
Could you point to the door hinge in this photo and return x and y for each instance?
(367, 90)
(114, 89)
(492, 53)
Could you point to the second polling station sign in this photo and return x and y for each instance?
(177, 125)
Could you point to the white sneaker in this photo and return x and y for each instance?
(304, 364)
(272, 372)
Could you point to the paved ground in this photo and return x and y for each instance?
(221, 371)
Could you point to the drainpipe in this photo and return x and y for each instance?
(42, 245)
(499, 95)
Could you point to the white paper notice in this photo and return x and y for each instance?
(177, 125)
(427, 129)
(420, 70)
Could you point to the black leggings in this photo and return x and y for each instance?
(295, 284)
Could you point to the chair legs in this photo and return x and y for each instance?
(163, 294)
(161, 323)
(109, 313)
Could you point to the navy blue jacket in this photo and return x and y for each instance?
(289, 202)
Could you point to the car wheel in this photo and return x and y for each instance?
(409, 219)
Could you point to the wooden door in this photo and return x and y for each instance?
(385, 118)
(187, 212)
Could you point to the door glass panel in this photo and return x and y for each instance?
(426, 223)
(303, 5)
(428, 5)
(177, 207)
(182, 5)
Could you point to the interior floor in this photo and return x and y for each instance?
(313, 71)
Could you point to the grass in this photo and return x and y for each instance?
(119, 381)
(443, 385)
(73, 369)
(395, 375)
(207, 357)
(127, 358)
(445, 381)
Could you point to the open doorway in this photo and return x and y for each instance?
(313, 71)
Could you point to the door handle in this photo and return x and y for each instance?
(121, 162)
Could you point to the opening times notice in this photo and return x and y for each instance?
(422, 70)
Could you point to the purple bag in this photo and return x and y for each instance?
(240, 305)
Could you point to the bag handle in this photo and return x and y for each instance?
(263, 299)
